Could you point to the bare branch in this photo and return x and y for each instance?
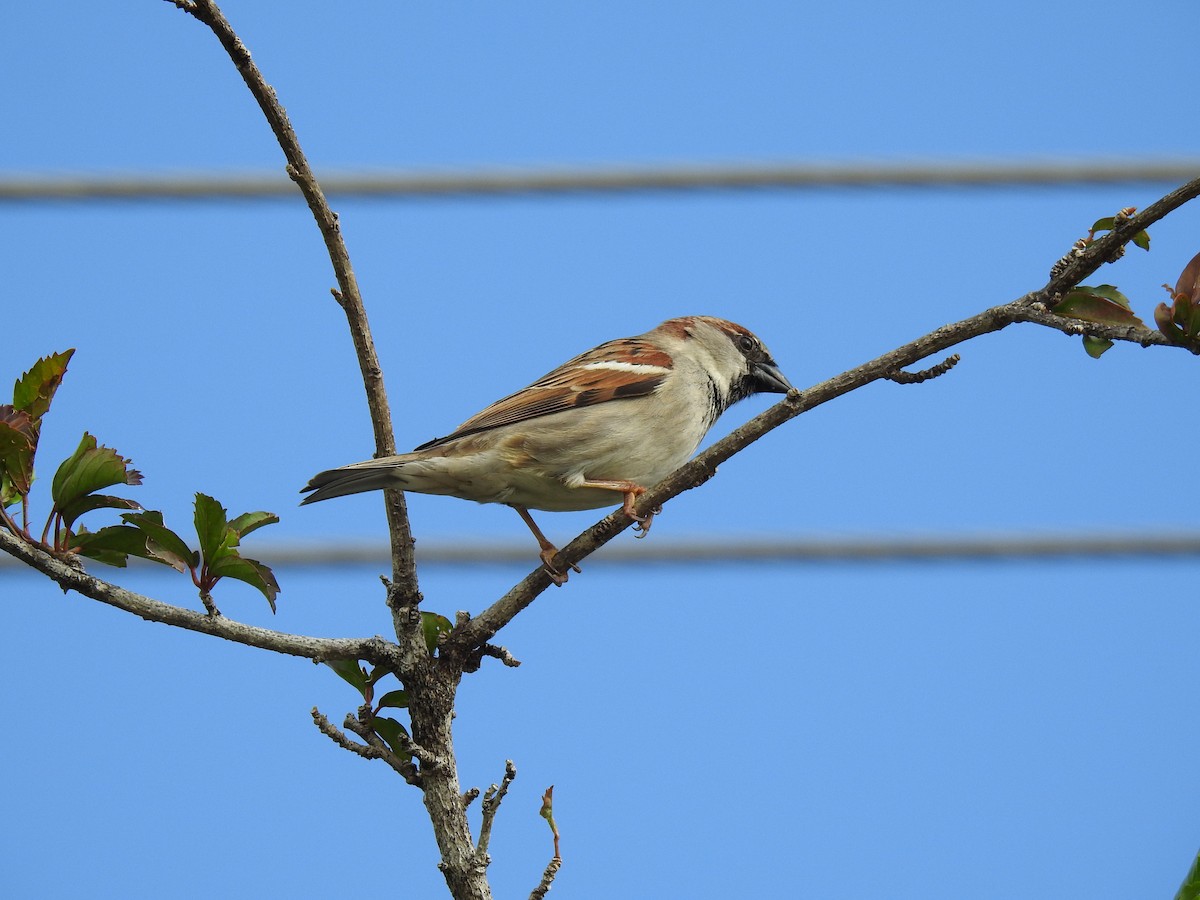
(404, 573)
(543, 887)
(70, 578)
(492, 798)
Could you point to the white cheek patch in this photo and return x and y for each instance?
(641, 368)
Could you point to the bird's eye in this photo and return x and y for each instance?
(746, 343)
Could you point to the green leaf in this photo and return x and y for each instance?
(349, 670)
(112, 545)
(251, 571)
(379, 672)
(433, 624)
(35, 389)
(1105, 224)
(211, 528)
(163, 544)
(395, 699)
(394, 734)
(1108, 291)
(1142, 239)
(94, 501)
(251, 521)
(89, 469)
(1190, 889)
(1095, 346)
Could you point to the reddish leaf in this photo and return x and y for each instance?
(1103, 304)
(18, 440)
(1189, 280)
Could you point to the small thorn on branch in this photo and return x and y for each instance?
(901, 377)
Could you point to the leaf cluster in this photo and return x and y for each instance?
(92, 468)
(1180, 319)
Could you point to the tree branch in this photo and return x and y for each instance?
(492, 798)
(1034, 307)
(70, 578)
(543, 887)
(373, 749)
(404, 572)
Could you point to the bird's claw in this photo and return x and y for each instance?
(558, 576)
(641, 524)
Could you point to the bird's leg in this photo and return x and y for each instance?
(548, 550)
(632, 492)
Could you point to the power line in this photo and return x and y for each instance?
(550, 181)
(743, 551)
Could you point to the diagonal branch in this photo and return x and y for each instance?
(404, 573)
(1110, 247)
(1034, 307)
(70, 578)
(373, 749)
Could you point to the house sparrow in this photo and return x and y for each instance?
(608, 423)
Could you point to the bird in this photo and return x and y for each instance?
(605, 425)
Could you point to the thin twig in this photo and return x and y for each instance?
(373, 749)
(338, 736)
(404, 767)
(492, 798)
(404, 573)
(902, 377)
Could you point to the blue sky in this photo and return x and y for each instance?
(920, 731)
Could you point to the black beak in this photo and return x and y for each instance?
(768, 378)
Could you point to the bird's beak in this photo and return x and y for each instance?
(770, 379)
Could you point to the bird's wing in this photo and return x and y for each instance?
(616, 370)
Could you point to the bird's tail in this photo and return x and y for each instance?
(373, 475)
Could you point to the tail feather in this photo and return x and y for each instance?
(371, 476)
